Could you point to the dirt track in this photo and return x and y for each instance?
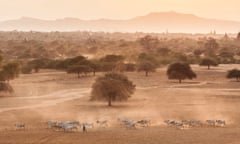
(58, 96)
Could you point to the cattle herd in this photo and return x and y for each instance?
(195, 123)
(129, 124)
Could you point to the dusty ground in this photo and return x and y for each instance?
(52, 95)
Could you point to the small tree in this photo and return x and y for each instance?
(180, 71)
(234, 73)
(112, 87)
(208, 62)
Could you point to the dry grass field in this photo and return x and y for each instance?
(54, 95)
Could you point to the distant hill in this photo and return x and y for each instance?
(153, 22)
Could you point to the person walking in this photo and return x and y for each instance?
(84, 129)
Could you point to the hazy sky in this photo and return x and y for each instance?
(116, 9)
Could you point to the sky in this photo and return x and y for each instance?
(116, 9)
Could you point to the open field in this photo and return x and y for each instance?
(55, 95)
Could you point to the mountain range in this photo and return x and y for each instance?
(157, 22)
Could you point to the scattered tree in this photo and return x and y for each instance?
(146, 63)
(120, 67)
(10, 71)
(38, 64)
(234, 73)
(210, 47)
(147, 67)
(180, 71)
(26, 69)
(208, 62)
(109, 62)
(163, 51)
(148, 42)
(130, 67)
(5, 87)
(112, 87)
(197, 52)
(95, 65)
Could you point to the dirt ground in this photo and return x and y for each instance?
(54, 95)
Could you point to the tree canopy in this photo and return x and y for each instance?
(112, 87)
(180, 71)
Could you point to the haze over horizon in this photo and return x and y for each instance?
(117, 9)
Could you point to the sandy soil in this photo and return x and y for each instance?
(51, 95)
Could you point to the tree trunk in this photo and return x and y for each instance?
(146, 73)
(237, 79)
(208, 67)
(110, 101)
(180, 80)
(94, 73)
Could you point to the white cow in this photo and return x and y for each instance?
(52, 123)
(221, 122)
(20, 125)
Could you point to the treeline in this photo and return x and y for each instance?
(164, 47)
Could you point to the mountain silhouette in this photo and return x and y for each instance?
(157, 22)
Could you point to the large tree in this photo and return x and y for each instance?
(112, 87)
(208, 62)
(234, 73)
(180, 71)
